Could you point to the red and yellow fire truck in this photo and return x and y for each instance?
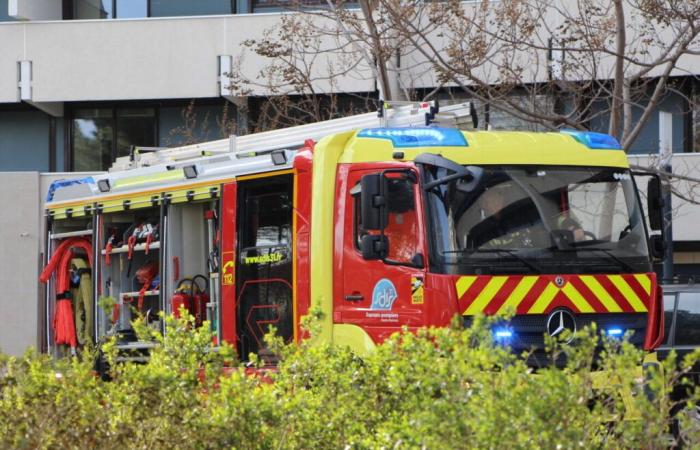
(381, 222)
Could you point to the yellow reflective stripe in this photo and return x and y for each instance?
(463, 284)
(170, 175)
(576, 298)
(544, 299)
(486, 295)
(644, 281)
(518, 294)
(600, 293)
(628, 293)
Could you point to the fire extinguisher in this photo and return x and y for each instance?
(182, 297)
(200, 300)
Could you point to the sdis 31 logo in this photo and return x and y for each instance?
(383, 295)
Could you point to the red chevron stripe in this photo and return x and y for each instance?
(473, 292)
(502, 295)
(586, 293)
(531, 296)
(614, 293)
(561, 300)
(638, 289)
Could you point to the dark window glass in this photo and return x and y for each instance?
(131, 9)
(93, 139)
(280, 4)
(135, 126)
(95, 130)
(265, 267)
(164, 8)
(669, 306)
(4, 10)
(688, 319)
(92, 9)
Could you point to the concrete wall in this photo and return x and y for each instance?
(20, 223)
(36, 9)
(158, 58)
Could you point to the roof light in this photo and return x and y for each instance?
(417, 137)
(615, 332)
(594, 140)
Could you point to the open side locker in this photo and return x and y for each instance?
(191, 276)
(129, 261)
(68, 274)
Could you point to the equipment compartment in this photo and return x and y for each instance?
(192, 262)
(130, 279)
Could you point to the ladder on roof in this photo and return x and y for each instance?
(392, 114)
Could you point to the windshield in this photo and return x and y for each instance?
(536, 219)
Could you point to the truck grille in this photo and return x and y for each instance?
(529, 330)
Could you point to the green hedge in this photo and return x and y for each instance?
(443, 388)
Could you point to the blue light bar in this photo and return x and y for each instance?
(594, 140)
(503, 334)
(615, 332)
(417, 137)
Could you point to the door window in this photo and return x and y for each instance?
(265, 262)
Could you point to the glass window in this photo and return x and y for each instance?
(500, 119)
(402, 223)
(101, 134)
(688, 319)
(92, 9)
(4, 10)
(279, 4)
(131, 9)
(164, 8)
(669, 306)
(93, 138)
(135, 126)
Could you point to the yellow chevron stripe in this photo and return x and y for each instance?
(600, 293)
(463, 284)
(644, 281)
(576, 298)
(628, 293)
(544, 299)
(518, 294)
(486, 295)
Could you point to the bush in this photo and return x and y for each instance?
(439, 388)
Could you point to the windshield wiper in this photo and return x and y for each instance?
(624, 265)
(514, 254)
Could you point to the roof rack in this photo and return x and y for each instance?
(391, 114)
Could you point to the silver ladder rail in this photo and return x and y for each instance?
(392, 114)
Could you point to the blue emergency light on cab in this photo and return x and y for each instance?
(417, 137)
(593, 140)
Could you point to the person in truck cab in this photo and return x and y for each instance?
(508, 218)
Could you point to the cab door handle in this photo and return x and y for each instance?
(354, 297)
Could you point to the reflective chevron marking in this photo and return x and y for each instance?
(538, 294)
(628, 293)
(486, 295)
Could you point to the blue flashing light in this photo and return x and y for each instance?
(417, 137)
(594, 140)
(503, 334)
(615, 332)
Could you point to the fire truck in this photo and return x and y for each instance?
(397, 220)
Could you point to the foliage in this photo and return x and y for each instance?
(437, 388)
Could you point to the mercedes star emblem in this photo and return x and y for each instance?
(559, 321)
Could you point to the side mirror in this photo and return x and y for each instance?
(655, 204)
(374, 246)
(657, 245)
(373, 202)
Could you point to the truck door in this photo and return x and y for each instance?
(264, 266)
(381, 296)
